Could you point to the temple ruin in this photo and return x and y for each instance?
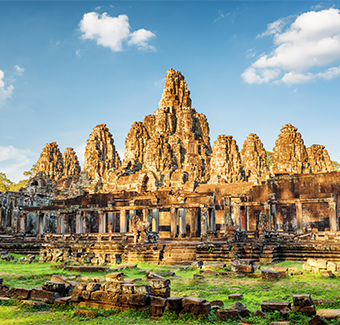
(173, 194)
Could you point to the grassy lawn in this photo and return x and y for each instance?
(210, 288)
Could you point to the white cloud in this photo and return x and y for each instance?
(311, 42)
(14, 161)
(221, 15)
(78, 52)
(98, 8)
(251, 53)
(113, 32)
(19, 70)
(252, 76)
(4, 92)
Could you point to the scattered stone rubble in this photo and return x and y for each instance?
(323, 267)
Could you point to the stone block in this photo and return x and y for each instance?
(174, 303)
(326, 274)
(197, 264)
(268, 275)
(152, 275)
(284, 313)
(225, 314)
(306, 267)
(19, 293)
(317, 320)
(236, 296)
(95, 279)
(217, 303)
(213, 266)
(117, 276)
(1, 280)
(203, 308)
(307, 310)
(3, 290)
(243, 310)
(331, 267)
(142, 289)
(128, 289)
(246, 261)
(321, 263)
(156, 311)
(85, 294)
(85, 279)
(274, 305)
(283, 271)
(63, 301)
(328, 314)
(242, 268)
(114, 286)
(259, 313)
(54, 286)
(302, 300)
(159, 283)
(193, 301)
(93, 286)
(158, 301)
(138, 300)
(162, 292)
(57, 278)
(43, 295)
(98, 296)
(81, 286)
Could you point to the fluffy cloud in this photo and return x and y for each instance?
(19, 70)
(14, 161)
(5, 92)
(114, 32)
(311, 42)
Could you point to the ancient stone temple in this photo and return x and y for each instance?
(51, 161)
(318, 159)
(289, 154)
(172, 187)
(71, 163)
(226, 164)
(254, 158)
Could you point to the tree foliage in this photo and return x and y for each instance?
(269, 158)
(5, 183)
(336, 165)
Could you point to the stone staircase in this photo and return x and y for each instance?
(182, 253)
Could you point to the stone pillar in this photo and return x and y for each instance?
(146, 215)
(22, 222)
(173, 223)
(102, 222)
(155, 220)
(79, 223)
(182, 223)
(204, 222)
(273, 213)
(85, 226)
(267, 213)
(333, 213)
(123, 221)
(212, 220)
(191, 213)
(40, 223)
(298, 206)
(111, 222)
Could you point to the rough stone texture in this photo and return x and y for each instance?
(268, 275)
(170, 147)
(43, 295)
(225, 162)
(302, 300)
(101, 156)
(19, 293)
(318, 159)
(71, 163)
(51, 161)
(254, 158)
(328, 313)
(289, 154)
(274, 305)
(224, 314)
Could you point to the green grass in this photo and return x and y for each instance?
(210, 288)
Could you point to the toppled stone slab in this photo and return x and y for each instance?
(158, 301)
(19, 293)
(274, 305)
(118, 276)
(54, 286)
(43, 295)
(195, 306)
(3, 290)
(328, 314)
(242, 268)
(317, 320)
(174, 303)
(63, 300)
(213, 266)
(302, 300)
(236, 296)
(268, 275)
(307, 310)
(243, 310)
(224, 314)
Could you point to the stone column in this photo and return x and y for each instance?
(111, 222)
(192, 217)
(86, 229)
(79, 223)
(298, 206)
(146, 215)
(333, 213)
(182, 223)
(22, 222)
(155, 220)
(212, 219)
(268, 215)
(123, 221)
(173, 223)
(102, 222)
(273, 213)
(204, 222)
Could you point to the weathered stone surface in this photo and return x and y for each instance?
(302, 300)
(243, 310)
(259, 313)
(51, 161)
(118, 276)
(63, 300)
(242, 268)
(159, 283)
(236, 296)
(274, 305)
(254, 158)
(19, 293)
(101, 156)
(162, 292)
(318, 159)
(225, 162)
(197, 264)
(317, 320)
(70, 163)
(307, 310)
(45, 296)
(328, 314)
(3, 290)
(217, 303)
(158, 301)
(54, 286)
(268, 275)
(289, 153)
(174, 303)
(224, 314)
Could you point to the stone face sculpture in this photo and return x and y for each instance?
(100, 154)
(225, 161)
(289, 153)
(174, 139)
(254, 158)
(71, 163)
(318, 159)
(51, 161)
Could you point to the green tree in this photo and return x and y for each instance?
(336, 165)
(30, 173)
(269, 158)
(5, 183)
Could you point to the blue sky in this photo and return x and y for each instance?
(251, 67)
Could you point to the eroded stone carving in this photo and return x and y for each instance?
(289, 153)
(318, 159)
(254, 158)
(71, 163)
(51, 161)
(225, 161)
